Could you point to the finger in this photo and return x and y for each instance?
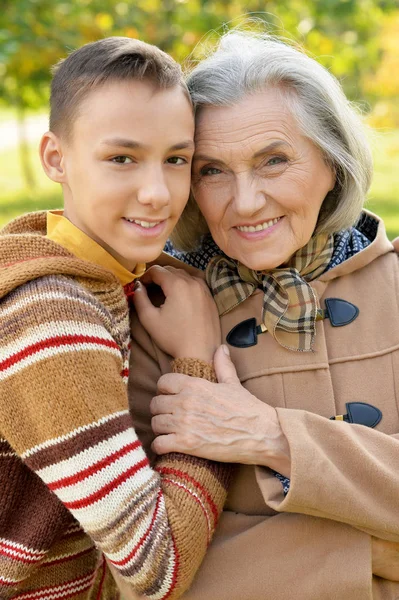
(146, 311)
(162, 405)
(173, 383)
(178, 272)
(163, 444)
(166, 260)
(147, 278)
(162, 424)
(195, 275)
(224, 367)
(160, 276)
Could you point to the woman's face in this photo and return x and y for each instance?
(257, 180)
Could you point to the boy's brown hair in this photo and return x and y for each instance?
(109, 59)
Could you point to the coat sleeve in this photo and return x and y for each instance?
(316, 557)
(339, 471)
(286, 556)
(64, 411)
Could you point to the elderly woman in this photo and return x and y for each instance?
(307, 288)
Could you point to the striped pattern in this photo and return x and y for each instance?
(80, 484)
(69, 589)
(289, 303)
(51, 339)
(20, 552)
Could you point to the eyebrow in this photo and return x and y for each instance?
(269, 148)
(183, 145)
(133, 145)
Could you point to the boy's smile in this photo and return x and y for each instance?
(126, 168)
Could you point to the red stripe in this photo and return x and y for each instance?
(98, 466)
(64, 586)
(10, 583)
(55, 342)
(179, 485)
(19, 558)
(175, 571)
(84, 502)
(121, 563)
(184, 476)
(125, 373)
(74, 592)
(11, 547)
(60, 594)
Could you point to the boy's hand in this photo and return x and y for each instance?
(187, 324)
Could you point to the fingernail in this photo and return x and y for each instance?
(137, 285)
(226, 349)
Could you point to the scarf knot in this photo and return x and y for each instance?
(290, 306)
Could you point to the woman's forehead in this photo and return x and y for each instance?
(257, 118)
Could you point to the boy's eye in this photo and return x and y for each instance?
(121, 160)
(176, 160)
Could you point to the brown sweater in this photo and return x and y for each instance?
(314, 544)
(76, 485)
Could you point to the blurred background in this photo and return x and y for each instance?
(358, 40)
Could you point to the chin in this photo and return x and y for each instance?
(261, 264)
(260, 260)
(150, 254)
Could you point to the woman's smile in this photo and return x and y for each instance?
(258, 231)
(259, 186)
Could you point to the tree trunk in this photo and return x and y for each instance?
(26, 164)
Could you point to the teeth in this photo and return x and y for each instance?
(259, 227)
(145, 224)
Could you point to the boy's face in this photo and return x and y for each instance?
(127, 167)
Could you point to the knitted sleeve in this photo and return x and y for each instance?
(64, 410)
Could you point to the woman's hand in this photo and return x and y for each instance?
(385, 559)
(220, 421)
(187, 324)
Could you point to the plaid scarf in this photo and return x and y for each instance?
(290, 306)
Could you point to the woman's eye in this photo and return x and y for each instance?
(275, 160)
(121, 160)
(177, 160)
(210, 171)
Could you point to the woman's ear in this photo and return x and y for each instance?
(51, 155)
(333, 177)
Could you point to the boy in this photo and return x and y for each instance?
(77, 486)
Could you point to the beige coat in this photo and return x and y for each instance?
(315, 543)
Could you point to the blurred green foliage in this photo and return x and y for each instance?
(358, 40)
(347, 36)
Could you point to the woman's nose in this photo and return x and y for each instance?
(249, 195)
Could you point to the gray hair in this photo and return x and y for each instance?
(245, 63)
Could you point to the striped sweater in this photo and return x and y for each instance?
(76, 485)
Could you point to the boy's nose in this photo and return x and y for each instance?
(154, 191)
